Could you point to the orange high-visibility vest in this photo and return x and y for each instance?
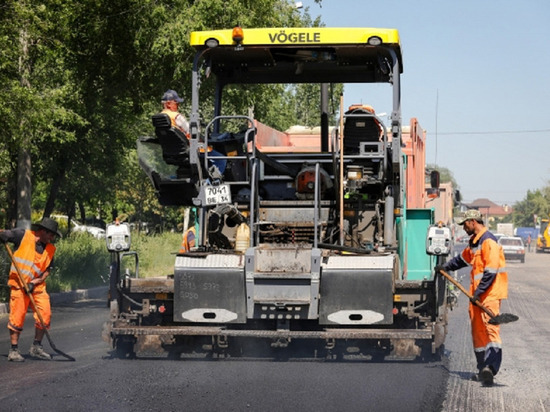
(30, 263)
(173, 115)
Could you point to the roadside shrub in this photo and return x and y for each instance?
(157, 253)
(80, 262)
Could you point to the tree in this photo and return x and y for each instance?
(81, 80)
(33, 92)
(445, 175)
(536, 203)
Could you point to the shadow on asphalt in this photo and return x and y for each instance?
(88, 303)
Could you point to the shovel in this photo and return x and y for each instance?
(38, 314)
(499, 319)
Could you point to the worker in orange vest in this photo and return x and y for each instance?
(170, 105)
(34, 253)
(489, 285)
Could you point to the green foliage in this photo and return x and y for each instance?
(445, 175)
(80, 262)
(81, 80)
(156, 253)
(35, 87)
(135, 194)
(536, 203)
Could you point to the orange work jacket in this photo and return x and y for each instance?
(485, 255)
(188, 240)
(30, 263)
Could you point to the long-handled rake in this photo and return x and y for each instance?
(39, 315)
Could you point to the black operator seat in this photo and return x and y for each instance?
(174, 143)
(360, 126)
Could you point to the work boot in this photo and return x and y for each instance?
(37, 352)
(15, 356)
(486, 376)
(475, 377)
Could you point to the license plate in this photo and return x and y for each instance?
(217, 195)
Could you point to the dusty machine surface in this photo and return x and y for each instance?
(309, 236)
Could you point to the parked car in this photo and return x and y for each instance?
(513, 248)
(76, 226)
(92, 230)
(498, 235)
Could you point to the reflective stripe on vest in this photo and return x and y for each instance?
(488, 346)
(478, 276)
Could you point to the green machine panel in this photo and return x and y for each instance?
(419, 263)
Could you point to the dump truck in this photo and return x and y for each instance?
(506, 229)
(309, 237)
(543, 239)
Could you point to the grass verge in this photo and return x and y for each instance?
(82, 261)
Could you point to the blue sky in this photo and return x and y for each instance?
(476, 76)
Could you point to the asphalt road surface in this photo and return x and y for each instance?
(98, 381)
(523, 383)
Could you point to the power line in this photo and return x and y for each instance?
(497, 132)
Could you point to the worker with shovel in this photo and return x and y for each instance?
(488, 286)
(32, 261)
